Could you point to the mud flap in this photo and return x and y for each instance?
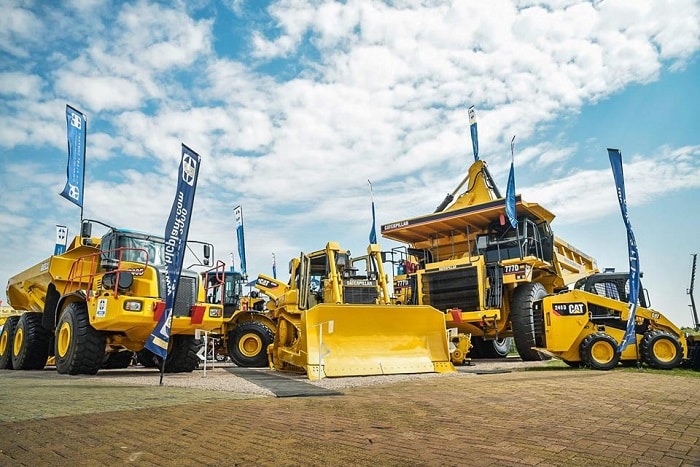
(360, 340)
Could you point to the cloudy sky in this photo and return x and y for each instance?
(293, 105)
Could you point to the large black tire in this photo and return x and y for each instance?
(661, 350)
(248, 342)
(117, 360)
(147, 358)
(599, 351)
(7, 337)
(522, 321)
(30, 347)
(79, 348)
(182, 354)
(495, 348)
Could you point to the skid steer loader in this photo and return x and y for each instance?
(585, 325)
(333, 321)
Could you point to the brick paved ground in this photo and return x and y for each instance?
(565, 417)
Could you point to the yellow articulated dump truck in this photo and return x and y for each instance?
(585, 326)
(467, 261)
(333, 320)
(96, 304)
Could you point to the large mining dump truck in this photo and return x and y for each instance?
(96, 304)
(333, 320)
(467, 261)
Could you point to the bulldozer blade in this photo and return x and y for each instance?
(360, 340)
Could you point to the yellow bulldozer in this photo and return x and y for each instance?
(95, 305)
(585, 325)
(467, 261)
(333, 320)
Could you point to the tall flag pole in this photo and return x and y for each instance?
(176, 231)
(274, 266)
(510, 190)
(630, 333)
(373, 232)
(238, 214)
(61, 239)
(77, 136)
(474, 132)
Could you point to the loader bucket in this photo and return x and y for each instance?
(359, 340)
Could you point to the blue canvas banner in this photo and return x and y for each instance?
(238, 214)
(77, 134)
(630, 333)
(510, 188)
(274, 267)
(474, 133)
(510, 198)
(373, 231)
(176, 231)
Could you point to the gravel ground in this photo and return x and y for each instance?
(219, 379)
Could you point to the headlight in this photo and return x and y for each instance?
(216, 312)
(133, 305)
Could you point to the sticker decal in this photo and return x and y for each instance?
(568, 309)
(101, 308)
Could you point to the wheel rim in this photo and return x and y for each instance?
(19, 340)
(664, 350)
(602, 352)
(3, 343)
(250, 345)
(63, 340)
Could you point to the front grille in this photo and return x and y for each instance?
(360, 295)
(538, 321)
(453, 288)
(185, 297)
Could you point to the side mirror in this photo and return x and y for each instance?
(86, 229)
(207, 254)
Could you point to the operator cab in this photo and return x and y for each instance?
(532, 237)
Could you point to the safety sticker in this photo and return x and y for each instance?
(101, 308)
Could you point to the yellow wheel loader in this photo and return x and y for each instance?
(248, 328)
(467, 261)
(333, 320)
(96, 304)
(584, 326)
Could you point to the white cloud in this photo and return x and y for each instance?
(22, 84)
(18, 27)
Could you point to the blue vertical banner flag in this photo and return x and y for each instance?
(238, 215)
(61, 240)
(474, 132)
(630, 333)
(373, 231)
(510, 189)
(274, 266)
(176, 231)
(77, 134)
